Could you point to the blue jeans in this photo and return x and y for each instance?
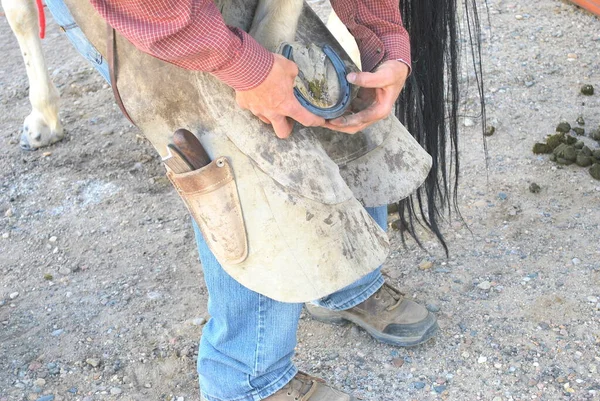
(247, 345)
(65, 20)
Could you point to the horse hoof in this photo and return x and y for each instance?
(37, 133)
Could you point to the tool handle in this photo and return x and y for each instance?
(191, 148)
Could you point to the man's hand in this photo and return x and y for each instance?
(273, 101)
(376, 98)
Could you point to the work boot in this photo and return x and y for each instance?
(307, 388)
(387, 316)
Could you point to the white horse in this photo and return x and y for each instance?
(294, 206)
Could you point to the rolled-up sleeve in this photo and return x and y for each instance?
(192, 35)
(377, 27)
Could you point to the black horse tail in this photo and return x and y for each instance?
(429, 104)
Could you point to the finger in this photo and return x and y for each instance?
(367, 116)
(346, 130)
(303, 116)
(263, 119)
(283, 126)
(378, 79)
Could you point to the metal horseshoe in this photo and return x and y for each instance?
(343, 102)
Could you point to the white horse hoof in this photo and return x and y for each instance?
(37, 133)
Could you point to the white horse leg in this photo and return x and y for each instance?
(275, 21)
(42, 127)
(344, 37)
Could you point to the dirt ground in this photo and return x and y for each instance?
(102, 296)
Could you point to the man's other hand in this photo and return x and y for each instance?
(376, 98)
(273, 101)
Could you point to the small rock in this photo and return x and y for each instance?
(13, 295)
(596, 154)
(586, 151)
(439, 389)
(563, 127)
(595, 134)
(502, 196)
(580, 120)
(572, 56)
(115, 391)
(434, 308)
(39, 382)
(469, 122)
(65, 271)
(592, 299)
(482, 359)
(5, 235)
(534, 188)
(579, 131)
(94, 362)
(57, 332)
(595, 171)
(579, 145)
(148, 385)
(199, 321)
(49, 397)
(425, 265)
(484, 285)
(398, 362)
(53, 239)
(576, 261)
(587, 90)
(9, 213)
(418, 385)
(489, 130)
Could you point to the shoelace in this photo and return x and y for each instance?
(393, 293)
(302, 386)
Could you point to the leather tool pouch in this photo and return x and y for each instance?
(211, 196)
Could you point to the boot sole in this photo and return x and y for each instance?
(423, 331)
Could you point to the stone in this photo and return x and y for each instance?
(64, 271)
(586, 151)
(49, 397)
(595, 171)
(484, 285)
(439, 389)
(596, 154)
(115, 391)
(592, 299)
(9, 213)
(434, 308)
(563, 127)
(199, 321)
(398, 362)
(554, 140)
(5, 235)
(534, 188)
(39, 382)
(13, 295)
(425, 265)
(53, 239)
(595, 134)
(587, 90)
(94, 362)
(469, 122)
(579, 145)
(418, 385)
(580, 120)
(482, 359)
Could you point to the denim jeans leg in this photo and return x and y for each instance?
(247, 345)
(363, 288)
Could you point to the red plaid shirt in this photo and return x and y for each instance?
(192, 34)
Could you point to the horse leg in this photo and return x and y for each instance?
(42, 127)
(275, 21)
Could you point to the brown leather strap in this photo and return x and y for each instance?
(112, 67)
